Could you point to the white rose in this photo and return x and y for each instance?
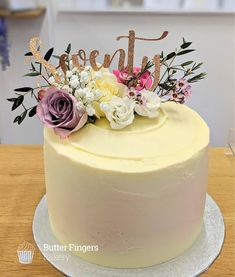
(151, 104)
(119, 112)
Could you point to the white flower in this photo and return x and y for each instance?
(51, 80)
(90, 110)
(84, 76)
(69, 74)
(74, 82)
(120, 112)
(79, 105)
(89, 96)
(151, 104)
(97, 94)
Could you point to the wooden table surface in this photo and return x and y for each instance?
(22, 186)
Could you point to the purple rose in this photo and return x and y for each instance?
(58, 110)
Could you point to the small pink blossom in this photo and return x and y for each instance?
(188, 91)
(132, 93)
(177, 97)
(182, 91)
(181, 84)
(139, 82)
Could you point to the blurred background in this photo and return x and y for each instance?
(95, 24)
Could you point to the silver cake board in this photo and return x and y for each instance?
(193, 262)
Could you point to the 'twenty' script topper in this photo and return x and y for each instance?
(79, 60)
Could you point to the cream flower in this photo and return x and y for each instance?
(149, 104)
(108, 87)
(119, 112)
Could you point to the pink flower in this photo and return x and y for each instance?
(57, 109)
(182, 91)
(177, 97)
(181, 84)
(188, 91)
(132, 93)
(137, 80)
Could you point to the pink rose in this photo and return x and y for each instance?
(137, 80)
(57, 109)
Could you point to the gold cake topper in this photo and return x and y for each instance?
(80, 59)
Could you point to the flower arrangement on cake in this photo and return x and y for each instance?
(75, 93)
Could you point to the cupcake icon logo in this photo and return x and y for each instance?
(25, 252)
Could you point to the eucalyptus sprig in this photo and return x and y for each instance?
(168, 79)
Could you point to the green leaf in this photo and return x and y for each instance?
(17, 119)
(195, 67)
(170, 56)
(28, 54)
(48, 54)
(22, 117)
(24, 89)
(68, 50)
(197, 77)
(32, 74)
(186, 63)
(33, 111)
(184, 41)
(56, 57)
(185, 45)
(17, 102)
(185, 52)
(11, 99)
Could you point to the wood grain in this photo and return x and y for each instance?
(22, 186)
(23, 14)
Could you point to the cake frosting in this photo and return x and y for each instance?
(137, 193)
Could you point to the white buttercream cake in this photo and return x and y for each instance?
(137, 193)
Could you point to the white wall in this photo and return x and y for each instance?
(212, 36)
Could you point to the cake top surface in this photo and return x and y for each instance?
(176, 135)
